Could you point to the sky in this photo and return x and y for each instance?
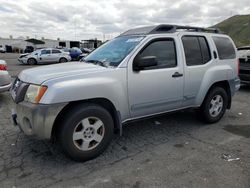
(105, 19)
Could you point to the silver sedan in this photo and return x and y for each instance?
(46, 55)
(5, 79)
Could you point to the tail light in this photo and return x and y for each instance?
(3, 67)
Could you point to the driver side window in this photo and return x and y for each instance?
(164, 52)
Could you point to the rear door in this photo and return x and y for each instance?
(198, 59)
(159, 88)
(56, 55)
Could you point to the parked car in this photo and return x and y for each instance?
(244, 58)
(142, 73)
(46, 55)
(2, 49)
(85, 52)
(74, 53)
(5, 79)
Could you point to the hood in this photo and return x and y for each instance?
(42, 74)
(23, 55)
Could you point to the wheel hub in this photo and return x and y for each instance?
(216, 106)
(89, 133)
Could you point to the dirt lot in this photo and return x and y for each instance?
(174, 150)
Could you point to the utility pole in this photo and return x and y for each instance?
(75, 27)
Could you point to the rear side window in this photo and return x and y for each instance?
(239, 49)
(205, 52)
(196, 50)
(224, 47)
(56, 51)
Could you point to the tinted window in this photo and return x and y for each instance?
(239, 49)
(205, 51)
(56, 51)
(164, 51)
(45, 52)
(192, 50)
(196, 50)
(224, 47)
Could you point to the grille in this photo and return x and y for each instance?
(15, 86)
(18, 90)
(245, 72)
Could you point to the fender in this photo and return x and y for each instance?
(214, 74)
(110, 85)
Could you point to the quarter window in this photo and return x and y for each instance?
(224, 47)
(196, 50)
(164, 51)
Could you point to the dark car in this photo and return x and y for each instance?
(244, 60)
(85, 52)
(74, 53)
(29, 49)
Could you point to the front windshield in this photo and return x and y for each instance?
(35, 52)
(114, 51)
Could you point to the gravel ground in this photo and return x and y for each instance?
(174, 150)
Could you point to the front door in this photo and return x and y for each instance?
(158, 88)
(45, 56)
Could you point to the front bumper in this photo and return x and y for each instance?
(22, 60)
(36, 119)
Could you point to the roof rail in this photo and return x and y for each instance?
(165, 28)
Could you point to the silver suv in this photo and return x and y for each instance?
(143, 72)
(46, 55)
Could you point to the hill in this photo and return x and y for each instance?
(237, 27)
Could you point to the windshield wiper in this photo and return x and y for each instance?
(97, 62)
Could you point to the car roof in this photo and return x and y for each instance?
(166, 28)
(49, 49)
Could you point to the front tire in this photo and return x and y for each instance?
(32, 61)
(214, 105)
(86, 131)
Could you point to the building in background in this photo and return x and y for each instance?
(20, 45)
(91, 43)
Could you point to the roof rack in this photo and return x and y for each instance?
(164, 28)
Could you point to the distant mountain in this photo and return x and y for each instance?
(238, 28)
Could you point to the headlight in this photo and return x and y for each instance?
(35, 93)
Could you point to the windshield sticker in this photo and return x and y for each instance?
(135, 39)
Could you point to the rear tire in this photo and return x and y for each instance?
(214, 106)
(86, 131)
(63, 60)
(32, 61)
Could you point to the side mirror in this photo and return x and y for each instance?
(143, 62)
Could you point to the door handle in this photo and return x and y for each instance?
(177, 74)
